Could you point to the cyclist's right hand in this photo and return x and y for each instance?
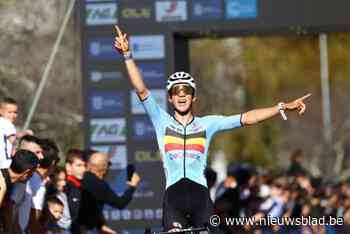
(121, 42)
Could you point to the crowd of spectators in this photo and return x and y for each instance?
(38, 196)
(273, 200)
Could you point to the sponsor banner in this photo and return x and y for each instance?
(133, 214)
(209, 9)
(153, 74)
(107, 130)
(101, 13)
(117, 155)
(99, 76)
(143, 129)
(147, 156)
(171, 11)
(160, 96)
(107, 103)
(240, 9)
(102, 49)
(144, 190)
(137, 12)
(147, 47)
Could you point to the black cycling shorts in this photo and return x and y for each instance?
(186, 203)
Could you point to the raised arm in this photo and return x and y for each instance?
(258, 115)
(121, 43)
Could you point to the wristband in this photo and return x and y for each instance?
(281, 108)
(127, 55)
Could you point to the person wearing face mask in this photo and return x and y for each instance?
(184, 139)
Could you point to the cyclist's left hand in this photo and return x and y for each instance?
(297, 104)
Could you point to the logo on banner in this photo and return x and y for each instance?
(136, 13)
(170, 11)
(101, 13)
(147, 47)
(159, 95)
(97, 76)
(143, 128)
(153, 74)
(107, 130)
(209, 9)
(144, 190)
(102, 49)
(133, 214)
(107, 102)
(116, 153)
(236, 9)
(147, 156)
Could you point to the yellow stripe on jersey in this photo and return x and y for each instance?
(173, 140)
(190, 141)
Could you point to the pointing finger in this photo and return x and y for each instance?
(305, 97)
(118, 30)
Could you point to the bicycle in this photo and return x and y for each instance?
(201, 230)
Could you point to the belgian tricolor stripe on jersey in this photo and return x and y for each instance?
(175, 141)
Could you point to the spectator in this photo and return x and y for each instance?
(9, 111)
(31, 207)
(56, 188)
(296, 163)
(31, 143)
(75, 167)
(96, 193)
(52, 213)
(7, 139)
(21, 169)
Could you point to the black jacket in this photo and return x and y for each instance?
(95, 193)
(73, 192)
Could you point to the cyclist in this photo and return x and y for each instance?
(183, 141)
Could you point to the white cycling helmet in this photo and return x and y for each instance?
(180, 78)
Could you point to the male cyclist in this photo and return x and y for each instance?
(183, 141)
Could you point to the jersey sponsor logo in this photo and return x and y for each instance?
(107, 130)
(240, 9)
(107, 102)
(175, 141)
(159, 95)
(148, 47)
(117, 155)
(170, 11)
(173, 156)
(209, 9)
(101, 14)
